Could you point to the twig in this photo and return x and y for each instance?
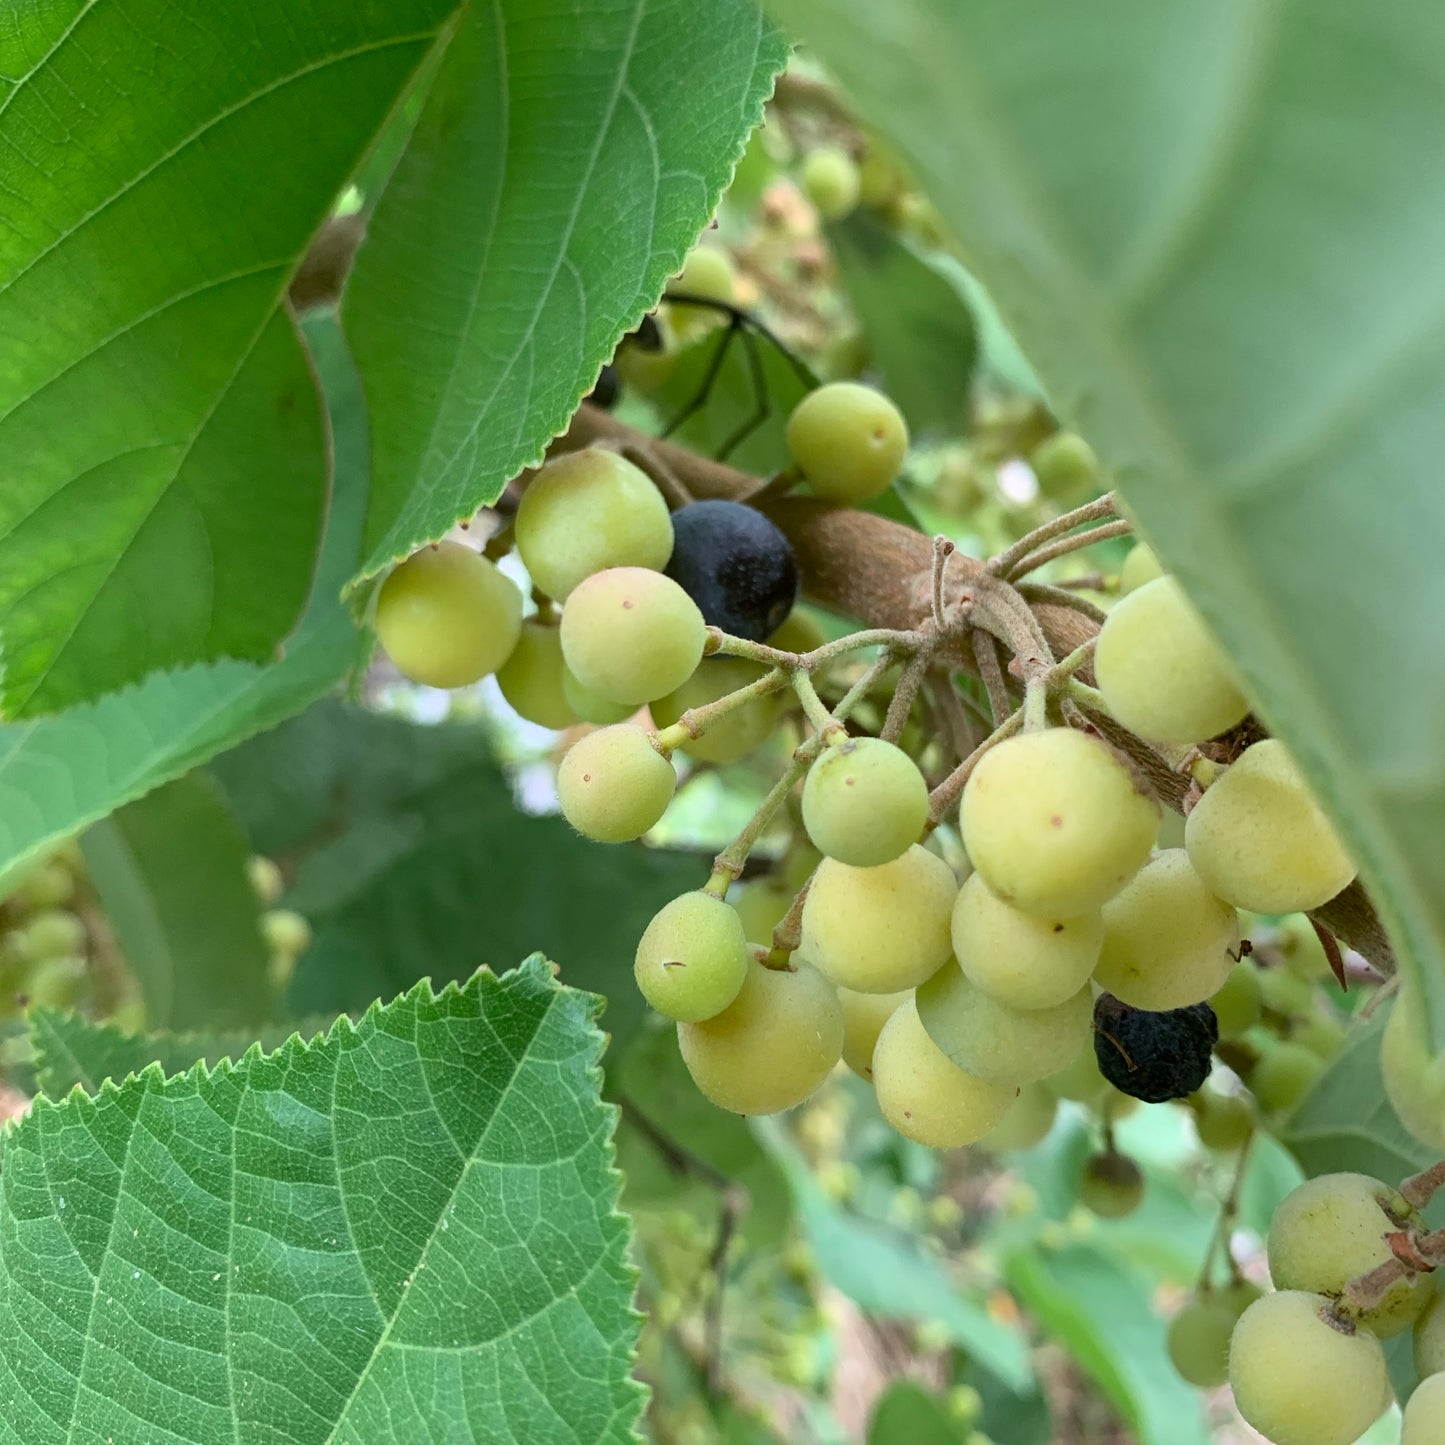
(1045, 592)
(943, 549)
(1065, 545)
(903, 696)
(985, 650)
(1005, 562)
(1228, 1208)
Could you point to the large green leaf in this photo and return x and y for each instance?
(565, 161)
(887, 1272)
(59, 773)
(921, 333)
(170, 870)
(1345, 1122)
(165, 447)
(419, 863)
(402, 1234)
(72, 1050)
(1213, 226)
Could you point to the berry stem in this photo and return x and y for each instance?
(1066, 667)
(903, 697)
(697, 720)
(1005, 563)
(1228, 1209)
(1064, 545)
(789, 930)
(985, 651)
(815, 709)
(1421, 1188)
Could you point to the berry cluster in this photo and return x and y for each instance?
(45, 949)
(1352, 1262)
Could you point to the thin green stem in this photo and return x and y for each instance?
(903, 697)
(1227, 1211)
(990, 669)
(1036, 704)
(1086, 696)
(814, 708)
(1067, 666)
(697, 720)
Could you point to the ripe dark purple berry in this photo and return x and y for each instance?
(1154, 1056)
(736, 565)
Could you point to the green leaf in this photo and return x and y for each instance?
(170, 870)
(165, 445)
(907, 1414)
(886, 1271)
(72, 1051)
(1098, 1308)
(59, 773)
(1345, 1122)
(921, 334)
(421, 864)
(402, 1234)
(563, 165)
(1237, 296)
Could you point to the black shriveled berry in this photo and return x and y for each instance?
(607, 389)
(736, 565)
(1154, 1056)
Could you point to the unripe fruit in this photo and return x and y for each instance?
(692, 958)
(447, 617)
(1224, 1121)
(738, 732)
(925, 1096)
(864, 1015)
(879, 930)
(1161, 672)
(57, 982)
(613, 785)
(1028, 1122)
(51, 885)
(1140, 566)
(265, 878)
(1053, 822)
(591, 706)
(1238, 1002)
(1414, 1077)
(53, 933)
(1298, 1380)
(1283, 1076)
(1021, 959)
(1112, 1185)
(1260, 841)
(631, 635)
(864, 802)
(772, 1046)
(531, 678)
(1424, 1421)
(995, 1042)
(1198, 1342)
(1429, 1340)
(849, 441)
(709, 272)
(1332, 1229)
(286, 932)
(587, 511)
(761, 903)
(1066, 467)
(830, 180)
(1168, 941)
